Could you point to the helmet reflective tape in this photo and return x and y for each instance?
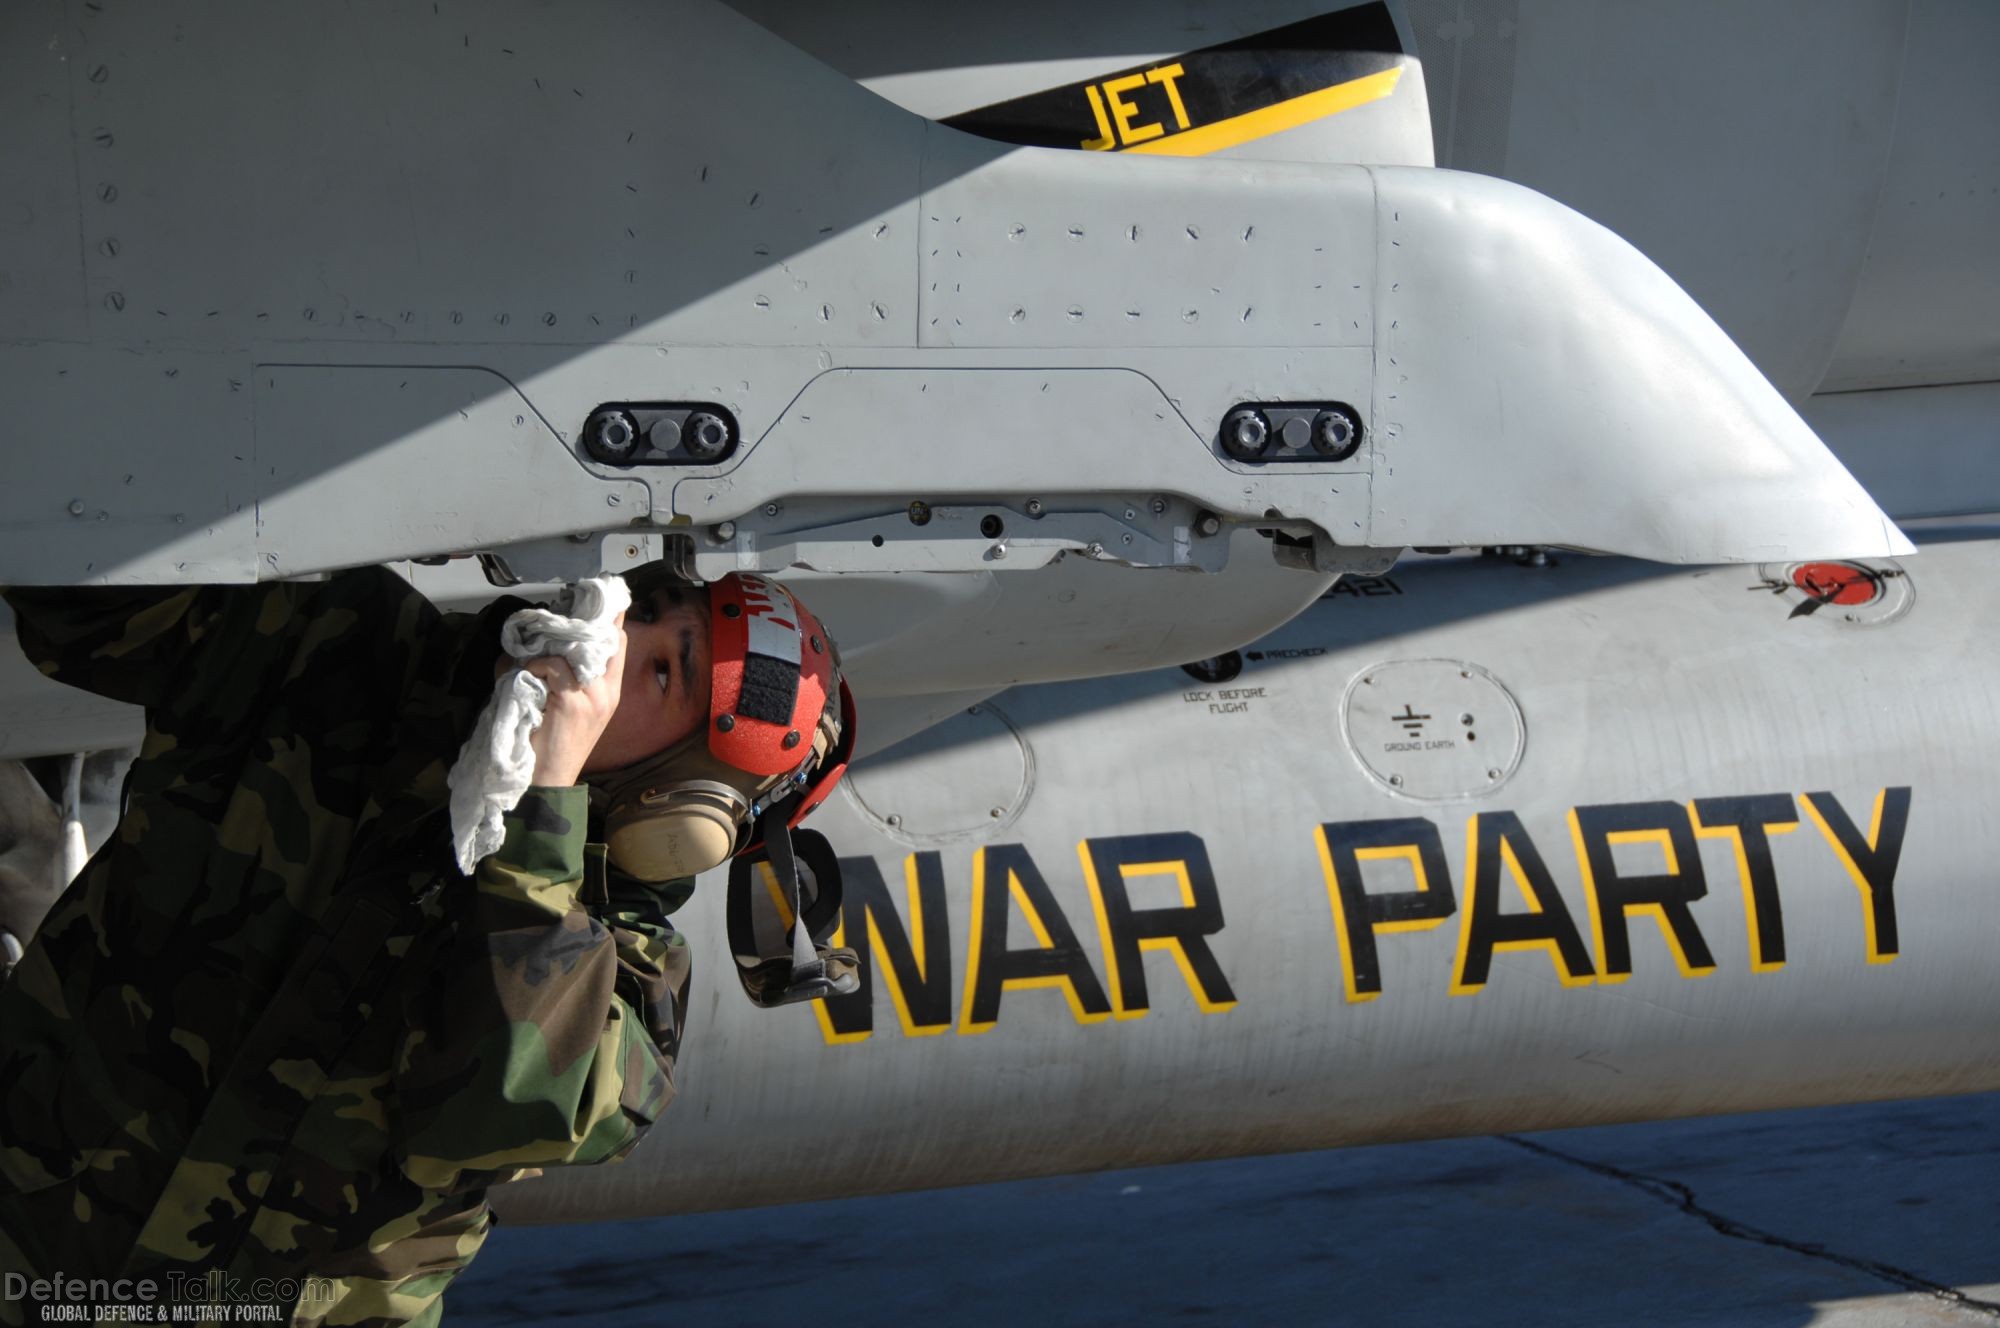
(773, 675)
(778, 960)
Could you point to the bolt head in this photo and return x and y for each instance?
(1246, 433)
(771, 509)
(76, 507)
(1336, 432)
(1396, 780)
(1493, 774)
(1159, 506)
(725, 722)
(611, 436)
(997, 813)
(705, 435)
(893, 820)
(725, 531)
(1034, 507)
(1209, 525)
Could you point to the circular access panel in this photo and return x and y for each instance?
(961, 779)
(1433, 729)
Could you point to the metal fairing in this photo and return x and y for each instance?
(1741, 864)
(350, 282)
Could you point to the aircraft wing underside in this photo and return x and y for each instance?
(305, 292)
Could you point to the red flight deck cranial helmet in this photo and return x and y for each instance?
(779, 734)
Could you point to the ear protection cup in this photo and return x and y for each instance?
(679, 813)
(683, 830)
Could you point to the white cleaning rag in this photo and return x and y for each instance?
(497, 763)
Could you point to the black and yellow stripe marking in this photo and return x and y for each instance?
(1214, 98)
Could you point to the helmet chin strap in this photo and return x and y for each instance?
(812, 969)
(807, 966)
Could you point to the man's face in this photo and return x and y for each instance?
(664, 696)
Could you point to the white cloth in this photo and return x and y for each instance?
(497, 763)
(75, 846)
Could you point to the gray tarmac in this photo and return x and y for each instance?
(1857, 1216)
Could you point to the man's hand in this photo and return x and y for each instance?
(575, 716)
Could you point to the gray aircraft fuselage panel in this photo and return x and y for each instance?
(1469, 847)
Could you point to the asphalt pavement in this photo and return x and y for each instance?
(1850, 1217)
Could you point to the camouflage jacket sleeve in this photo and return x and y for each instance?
(125, 643)
(547, 1031)
(196, 648)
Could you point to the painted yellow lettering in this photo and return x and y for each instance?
(1104, 141)
(1165, 76)
(1358, 913)
(1004, 874)
(1749, 824)
(1182, 932)
(913, 961)
(1122, 111)
(1870, 862)
(1615, 897)
(1496, 845)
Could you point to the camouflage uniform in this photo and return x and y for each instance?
(270, 1031)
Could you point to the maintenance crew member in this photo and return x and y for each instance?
(270, 1032)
